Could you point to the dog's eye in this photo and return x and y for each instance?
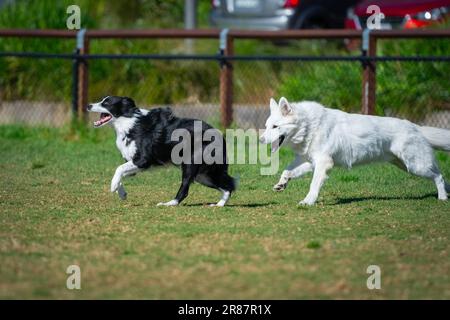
(274, 127)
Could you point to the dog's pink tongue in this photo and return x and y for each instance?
(274, 146)
(102, 120)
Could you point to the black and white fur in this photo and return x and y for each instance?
(144, 140)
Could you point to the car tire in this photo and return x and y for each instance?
(311, 18)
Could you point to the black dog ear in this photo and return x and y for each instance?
(128, 102)
(128, 106)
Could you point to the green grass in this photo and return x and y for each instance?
(56, 211)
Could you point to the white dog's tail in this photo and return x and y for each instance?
(438, 138)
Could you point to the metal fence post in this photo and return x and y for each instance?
(75, 85)
(82, 74)
(226, 79)
(369, 49)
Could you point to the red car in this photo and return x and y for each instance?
(400, 14)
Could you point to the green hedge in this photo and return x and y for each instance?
(403, 87)
(410, 89)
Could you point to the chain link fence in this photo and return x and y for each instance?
(189, 87)
(38, 90)
(418, 91)
(35, 91)
(335, 84)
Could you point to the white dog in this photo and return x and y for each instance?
(322, 138)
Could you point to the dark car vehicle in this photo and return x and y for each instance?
(279, 14)
(400, 14)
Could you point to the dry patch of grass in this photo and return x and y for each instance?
(262, 246)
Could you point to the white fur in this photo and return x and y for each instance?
(223, 200)
(323, 137)
(97, 107)
(122, 126)
(127, 148)
(122, 171)
(171, 203)
(438, 138)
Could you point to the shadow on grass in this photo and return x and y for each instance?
(360, 199)
(236, 205)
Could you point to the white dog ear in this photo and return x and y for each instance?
(285, 107)
(273, 105)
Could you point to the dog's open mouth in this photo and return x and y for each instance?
(277, 143)
(104, 118)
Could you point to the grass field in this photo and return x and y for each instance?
(56, 210)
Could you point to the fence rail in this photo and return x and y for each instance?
(226, 56)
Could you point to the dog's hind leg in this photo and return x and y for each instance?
(296, 169)
(220, 180)
(123, 170)
(442, 187)
(225, 196)
(188, 174)
(423, 164)
(322, 165)
(227, 185)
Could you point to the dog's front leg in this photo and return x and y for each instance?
(121, 192)
(296, 169)
(182, 193)
(123, 170)
(322, 165)
(188, 174)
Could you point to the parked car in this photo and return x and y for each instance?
(279, 14)
(400, 14)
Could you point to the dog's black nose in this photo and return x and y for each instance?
(89, 107)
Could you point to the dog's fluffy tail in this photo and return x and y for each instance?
(438, 138)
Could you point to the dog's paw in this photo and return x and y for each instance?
(219, 204)
(170, 203)
(279, 187)
(307, 202)
(122, 193)
(304, 203)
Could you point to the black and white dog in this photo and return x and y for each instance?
(144, 138)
